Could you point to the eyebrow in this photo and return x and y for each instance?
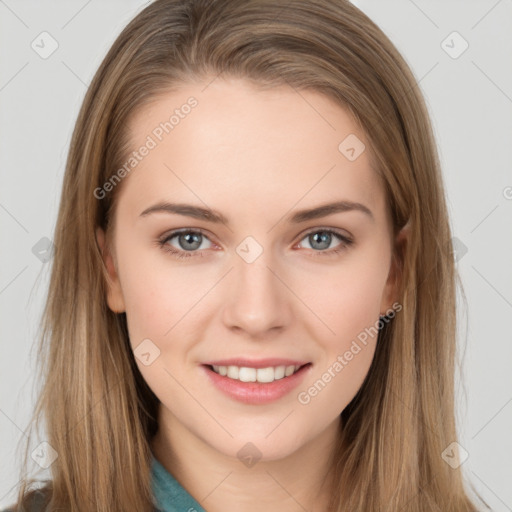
(207, 214)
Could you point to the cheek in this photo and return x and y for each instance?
(348, 297)
(351, 305)
(156, 295)
(348, 347)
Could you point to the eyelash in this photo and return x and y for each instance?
(162, 242)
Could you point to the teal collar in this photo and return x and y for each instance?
(170, 496)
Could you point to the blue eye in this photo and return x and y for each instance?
(323, 239)
(191, 240)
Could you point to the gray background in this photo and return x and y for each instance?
(470, 101)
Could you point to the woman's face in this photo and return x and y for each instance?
(267, 280)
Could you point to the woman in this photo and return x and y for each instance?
(295, 356)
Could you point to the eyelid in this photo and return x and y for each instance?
(340, 232)
(345, 239)
(175, 232)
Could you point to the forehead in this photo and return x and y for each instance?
(231, 144)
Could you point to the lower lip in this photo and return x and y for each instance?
(257, 393)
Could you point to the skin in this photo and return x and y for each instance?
(256, 156)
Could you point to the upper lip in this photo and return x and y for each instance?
(256, 363)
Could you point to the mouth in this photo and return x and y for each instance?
(256, 386)
(262, 375)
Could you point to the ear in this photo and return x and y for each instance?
(115, 299)
(390, 294)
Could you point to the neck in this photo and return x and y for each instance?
(300, 481)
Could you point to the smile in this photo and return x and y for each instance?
(264, 375)
(256, 386)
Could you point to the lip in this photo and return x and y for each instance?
(256, 363)
(256, 393)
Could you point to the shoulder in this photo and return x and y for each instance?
(35, 501)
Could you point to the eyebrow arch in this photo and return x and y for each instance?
(198, 212)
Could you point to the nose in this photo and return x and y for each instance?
(257, 299)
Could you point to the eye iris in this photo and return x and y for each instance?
(322, 237)
(190, 238)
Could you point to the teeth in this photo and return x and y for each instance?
(233, 372)
(245, 374)
(266, 374)
(289, 370)
(279, 372)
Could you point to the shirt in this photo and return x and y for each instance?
(168, 492)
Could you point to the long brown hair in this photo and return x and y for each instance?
(99, 413)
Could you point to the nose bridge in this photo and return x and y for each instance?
(257, 300)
